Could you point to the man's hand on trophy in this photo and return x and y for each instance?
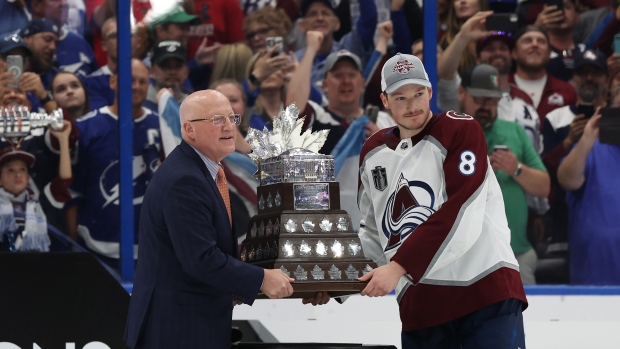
(383, 280)
(276, 284)
(319, 298)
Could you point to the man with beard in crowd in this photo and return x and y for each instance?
(29, 82)
(518, 168)
(531, 54)
(73, 53)
(41, 36)
(493, 49)
(562, 129)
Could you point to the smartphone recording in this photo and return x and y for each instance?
(609, 126)
(274, 41)
(586, 109)
(15, 64)
(502, 22)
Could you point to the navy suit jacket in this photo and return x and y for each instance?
(187, 275)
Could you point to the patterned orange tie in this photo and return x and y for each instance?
(222, 186)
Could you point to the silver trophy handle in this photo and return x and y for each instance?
(18, 122)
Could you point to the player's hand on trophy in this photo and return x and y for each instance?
(383, 280)
(276, 284)
(319, 298)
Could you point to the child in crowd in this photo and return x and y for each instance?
(23, 225)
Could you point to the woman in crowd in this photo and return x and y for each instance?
(458, 13)
(263, 23)
(271, 94)
(70, 95)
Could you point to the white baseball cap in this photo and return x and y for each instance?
(401, 70)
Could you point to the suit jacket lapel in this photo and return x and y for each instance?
(187, 149)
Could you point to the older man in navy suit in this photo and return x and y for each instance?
(187, 277)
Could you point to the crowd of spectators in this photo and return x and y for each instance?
(551, 77)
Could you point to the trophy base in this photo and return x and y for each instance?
(334, 288)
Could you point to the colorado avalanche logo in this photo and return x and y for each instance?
(403, 67)
(406, 211)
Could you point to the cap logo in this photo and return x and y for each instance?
(403, 67)
(589, 55)
(494, 80)
(170, 46)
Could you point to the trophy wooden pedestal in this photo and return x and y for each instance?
(301, 230)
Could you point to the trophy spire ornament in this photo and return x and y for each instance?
(300, 228)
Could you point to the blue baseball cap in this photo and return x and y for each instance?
(305, 4)
(594, 58)
(11, 41)
(39, 25)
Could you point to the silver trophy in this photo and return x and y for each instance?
(300, 227)
(18, 122)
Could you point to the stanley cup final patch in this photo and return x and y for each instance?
(379, 177)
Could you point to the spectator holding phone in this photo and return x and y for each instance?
(15, 72)
(42, 35)
(562, 129)
(518, 168)
(589, 175)
(493, 48)
(459, 12)
(12, 45)
(559, 22)
(270, 94)
(263, 23)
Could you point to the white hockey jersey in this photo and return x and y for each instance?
(432, 204)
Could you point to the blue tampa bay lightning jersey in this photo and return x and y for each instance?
(96, 175)
(74, 54)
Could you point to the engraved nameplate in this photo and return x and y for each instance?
(311, 196)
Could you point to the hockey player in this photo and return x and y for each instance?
(433, 220)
